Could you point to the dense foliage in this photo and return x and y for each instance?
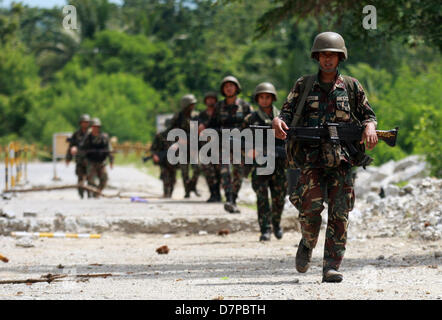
(126, 64)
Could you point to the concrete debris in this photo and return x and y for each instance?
(163, 250)
(25, 242)
(223, 232)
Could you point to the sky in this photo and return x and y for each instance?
(43, 3)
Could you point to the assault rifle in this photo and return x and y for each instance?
(162, 155)
(338, 133)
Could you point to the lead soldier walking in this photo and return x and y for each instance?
(326, 168)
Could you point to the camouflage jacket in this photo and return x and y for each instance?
(321, 107)
(204, 118)
(261, 118)
(160, 145)
(77, 140)
(98, 148)
(182, 120)
(231, 116)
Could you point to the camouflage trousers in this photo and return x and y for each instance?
(188, 182)
(231, 178)
(277, 183)
(168, 176)
(97, 170)
(313, 188)
(196, 172)
(81, 172)
(211, 173)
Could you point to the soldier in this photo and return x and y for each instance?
(98, 149)
(182, 120)
(211, 171)
(265, 94)
(76, 142)
(326, 172)
(159, 148)
(230, 114)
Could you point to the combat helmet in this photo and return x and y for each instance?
(265, 87)
(329, 41)
(210, 94)
(84, 117)
(187, 100)
(95, 122)
(233, 80)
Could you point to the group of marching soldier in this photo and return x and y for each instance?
(326, 166)
(230, 113)
(91, 148)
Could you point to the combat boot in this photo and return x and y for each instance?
(230, 205)
(303, 257)
(212, 195)
(265, 236)
(277, 231)
(331, 275)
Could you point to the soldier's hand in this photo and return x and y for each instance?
(67, 163)
(201, 127)
(155, 158)
(74, 150)
(369, 136)
(251, 153)
(279, 127)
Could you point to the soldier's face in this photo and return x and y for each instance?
(95, 130)
(84, 125)
(328, 61)
(265, 100)
(229, 89)
(210, 101)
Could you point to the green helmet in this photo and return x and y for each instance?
(233, 80)
(187, 100)
(84, 117)
(95, 122)
(265, 87)
(210, 94)
(329, 41)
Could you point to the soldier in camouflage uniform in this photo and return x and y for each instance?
(230, 114)
(182, 120)
(265, 94)
(210, 171)
(325, 168)
(76, 149)
(159, 148)
(98, 148)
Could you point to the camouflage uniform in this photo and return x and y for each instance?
(321, 178)
(77, 140)
(98, 149)
(230, 117)
(210, 171)
(159, 147)
(276, 182)
(182, 120)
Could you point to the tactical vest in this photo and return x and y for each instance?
(345, 111)
(98, 149)
(232, 116)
